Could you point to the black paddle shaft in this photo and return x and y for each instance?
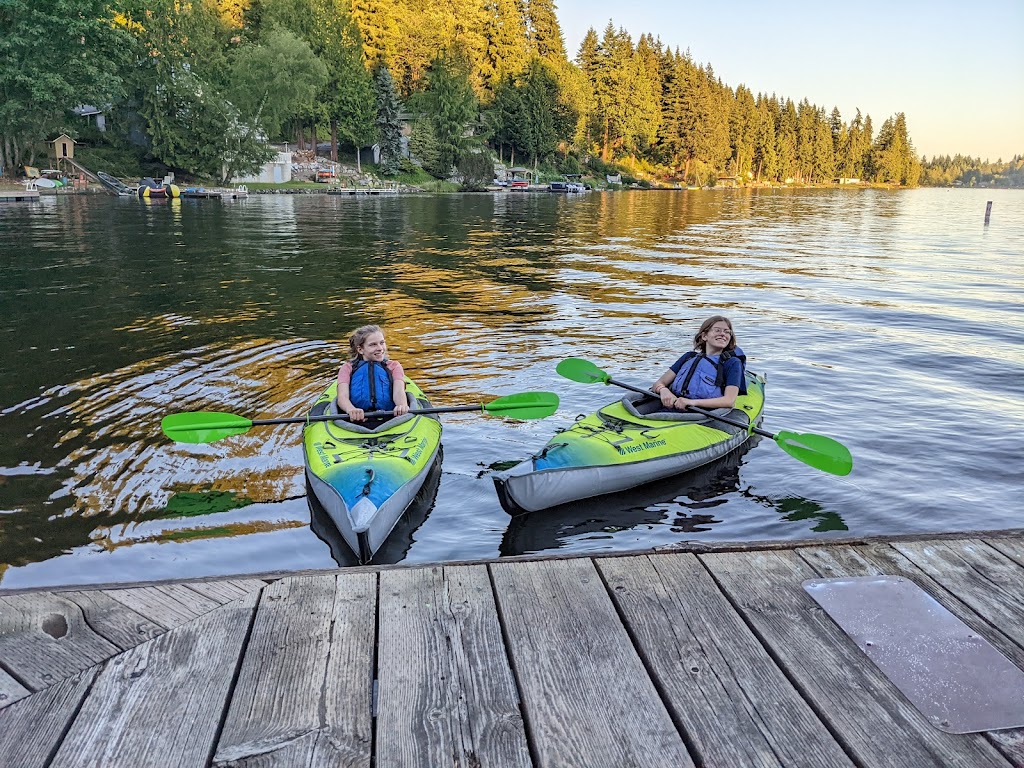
(709, 414)
(368, 414)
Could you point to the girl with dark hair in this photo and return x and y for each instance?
(711, 376)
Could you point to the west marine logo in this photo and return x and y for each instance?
(418, 451)
(644, 446)
(322, 454)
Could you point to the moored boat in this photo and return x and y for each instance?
(151, 189)
(365, 479)
(623, 445)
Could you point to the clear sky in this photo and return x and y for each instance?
(955, 69)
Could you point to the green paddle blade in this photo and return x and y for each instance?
(525, 405)
(817, 451)
(582, 371)
(205, 427)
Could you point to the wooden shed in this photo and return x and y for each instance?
(63, 147)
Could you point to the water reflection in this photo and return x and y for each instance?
(683, 503)
(864, 308)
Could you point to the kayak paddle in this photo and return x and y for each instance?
(207, 427)
(816, 451)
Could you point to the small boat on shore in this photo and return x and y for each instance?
(365, 479)
(625, 444)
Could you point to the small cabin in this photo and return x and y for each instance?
(63, 147)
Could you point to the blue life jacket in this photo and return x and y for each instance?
(688, 369)
(370, 387)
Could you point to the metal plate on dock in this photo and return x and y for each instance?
(954, 677)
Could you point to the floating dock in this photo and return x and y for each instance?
(18, 195)
(676, 658)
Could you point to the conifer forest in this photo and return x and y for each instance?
(204, 87)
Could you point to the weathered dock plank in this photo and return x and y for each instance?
(868, 714)
(31, 729)
(168, 605)
(714, 674)
(347, 734)
(1012, 548)
(114, 621)
(161, 702)
(226, 591)
(45, 638)
(984, 578)
(10, 690)
(285, 703)
(447, 695)
(587, 698)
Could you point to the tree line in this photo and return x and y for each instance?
(205, 84)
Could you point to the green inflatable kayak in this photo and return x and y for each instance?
(365, 479)
(623, 445)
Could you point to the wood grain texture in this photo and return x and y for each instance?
(169, 605)
(282, 708)
(45, 638)
(226, 591)
(991, 583)
(113, 620)
(873, 720)
(587, 698)
(447, 695)
(724, 690)
(31, 729)
(160, 703)
(346, 736)
(10, 690)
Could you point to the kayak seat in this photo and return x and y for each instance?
(649, 407)
(378, 426)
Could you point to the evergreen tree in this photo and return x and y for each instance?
(510, 118)
(545, 33)
(378, 29)
(590, 59)
(743, 121)
(539, 98)
(806, 134)
(389, 129)
(669, 141)
(505, 32)
(824, 157)
(451, 106)
(765, 160)
(785, 141)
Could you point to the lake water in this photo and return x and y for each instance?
(890, 321)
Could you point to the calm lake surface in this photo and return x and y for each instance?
(890, 321)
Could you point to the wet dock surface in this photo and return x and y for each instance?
(716, 658)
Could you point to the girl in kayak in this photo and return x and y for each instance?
(709, 377)
(369, 381)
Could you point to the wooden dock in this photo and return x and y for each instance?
(18, 195)
(362, 191)
(682, 658)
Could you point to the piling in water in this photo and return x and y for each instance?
(988, 211)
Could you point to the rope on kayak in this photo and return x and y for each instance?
(369, 480)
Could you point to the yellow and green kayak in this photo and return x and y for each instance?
(364, 478)
(623, 445)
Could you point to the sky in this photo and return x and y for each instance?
(955, 69)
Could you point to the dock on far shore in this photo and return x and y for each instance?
(701, 655)
(18, 195)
